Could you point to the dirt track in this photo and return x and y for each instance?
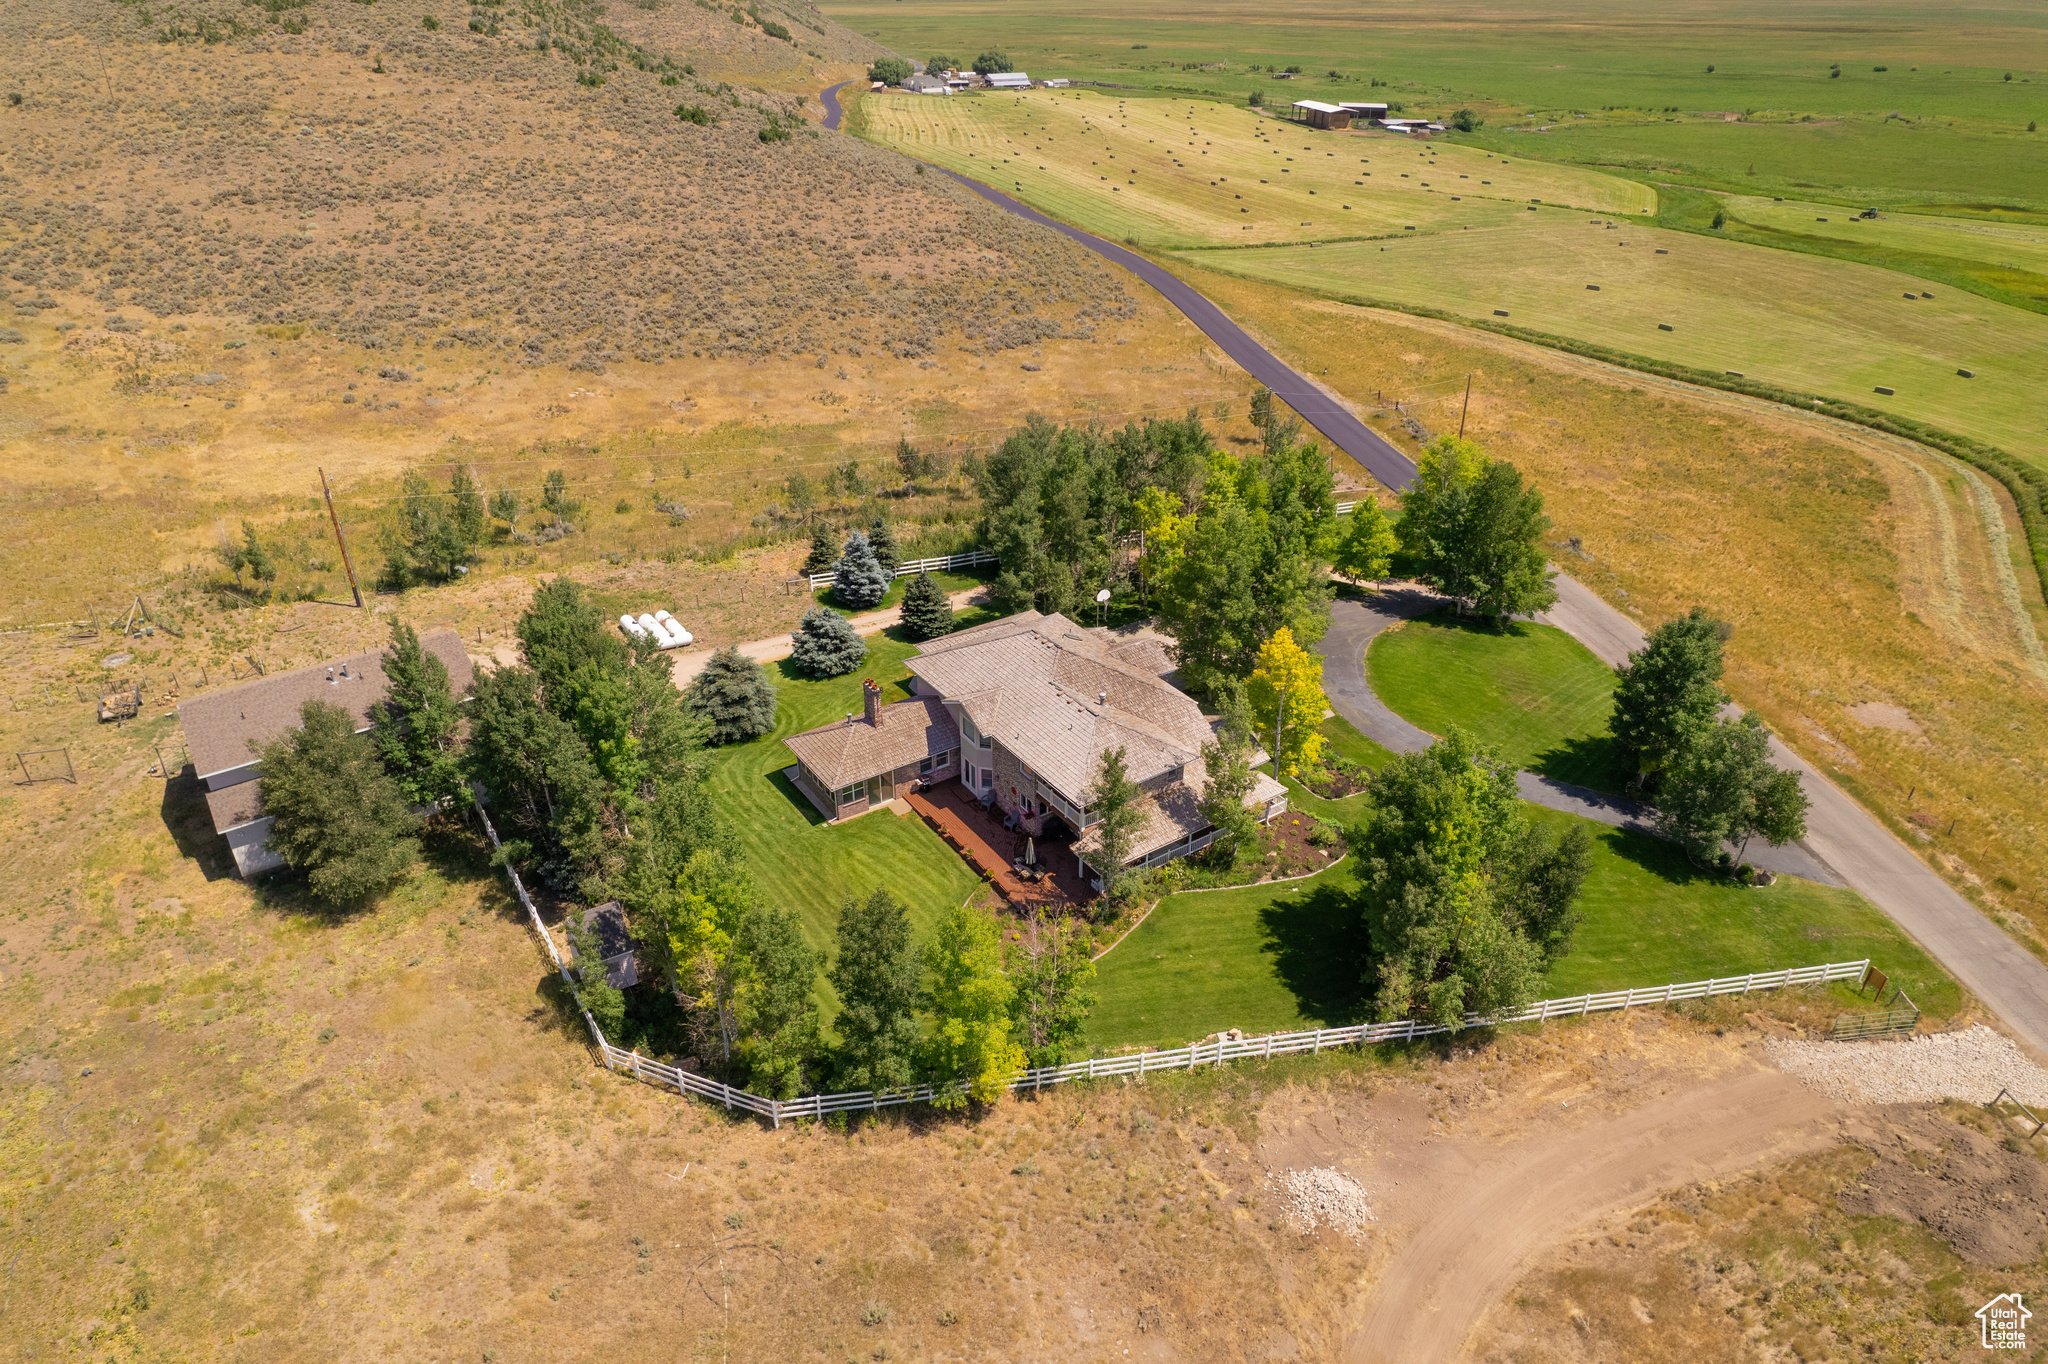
(1475, 1234)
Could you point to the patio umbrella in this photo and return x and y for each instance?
(1030, 852)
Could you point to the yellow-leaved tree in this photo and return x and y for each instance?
(1165, 529)
(1286, 691)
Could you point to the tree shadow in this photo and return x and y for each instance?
(190, 825)
(1658, 856)
(1319, 952)
(1594, 761)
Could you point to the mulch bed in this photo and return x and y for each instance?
(1330, 784)
(1285, 850)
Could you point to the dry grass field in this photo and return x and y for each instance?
(1886, 620)
(1177, 173)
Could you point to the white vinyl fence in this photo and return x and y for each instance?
(973, 558)
(1146, 1063)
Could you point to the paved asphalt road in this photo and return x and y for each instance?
(2004, 975)
(830, 99)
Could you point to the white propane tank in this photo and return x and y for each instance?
(631, 627)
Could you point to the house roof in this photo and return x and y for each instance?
(223, 729)
(234, 806)
(852, 750)
(1060, 696)
(614, 943)
(1174, 812)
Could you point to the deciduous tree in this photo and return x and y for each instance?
(605, 1002)
(877, 975)
(777, 1006)
(969, 1052)
(1286, 694)
(1722, 788)
(1668, 693)
(338, 817)
(1113, 800)
(1476, 530)
(1366, 552)
(1052, 971)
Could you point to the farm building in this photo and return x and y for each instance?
(1019, 713)
(225, 728)
(1009, 80)
(1371, 113)
(927, 85)
(1317, 114)
(1057, 83)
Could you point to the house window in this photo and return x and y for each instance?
(944, 760)
(924, 767)
(988, 778)
(849, 794)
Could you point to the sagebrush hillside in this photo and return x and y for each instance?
(514, 179)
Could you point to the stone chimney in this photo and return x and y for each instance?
(871, 697)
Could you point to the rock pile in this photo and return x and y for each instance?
(1323, 1197)
(1973, 1064)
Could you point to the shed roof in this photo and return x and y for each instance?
(852, 750)
(1317, 106)
(225, 728)
(614, 943)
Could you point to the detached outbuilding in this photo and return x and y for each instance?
(226, 729)
(1317, 114)
(1008, 80)
(927, 85)
(1364, 110)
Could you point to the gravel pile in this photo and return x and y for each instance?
(1323, 1197)
(1974, 1064)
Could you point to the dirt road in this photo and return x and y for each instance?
(1476, 1234)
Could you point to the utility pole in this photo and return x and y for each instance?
(1466, 408)
(339, 539)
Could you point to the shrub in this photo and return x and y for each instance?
(694, 113)
(862, 580)
(430, 23)
(873, 1314)
(825, 644)
(1256, 100)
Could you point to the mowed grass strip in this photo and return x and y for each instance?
(1288, 957)
(799, 861)
(1531, 691)
(1193, 172)
(1805, 322)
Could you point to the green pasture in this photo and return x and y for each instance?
(1804, 322)
(1530, 691)
(1289, 957)
(1197, 173)
(799, 861)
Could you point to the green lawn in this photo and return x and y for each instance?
(1341, 740)
(797, 859)
(1651, 920)
(949, 582)
(1531, 691)
(1282, 958)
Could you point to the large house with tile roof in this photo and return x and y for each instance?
(1020, 712)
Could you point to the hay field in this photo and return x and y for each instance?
(1887, 621)
(1809, 323)
(1172, 172)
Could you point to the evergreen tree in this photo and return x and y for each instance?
(1113, 800)
(536, 773)
(1722, 788)
(969, 1052)
(927, 613)
(1669, 691)
(560, 632)
(1286, 694)
(1227, 761)
(877, 976)
(469, 514)
(734, 696)
(415, 724)
(909, 462)
(262, 568)
(1052, 971)
(337, 815)
(861, 581)
(425, 544)
(777, 1004)
(826, 645)
(594, 990)
(1366, 552)
(882, 539)
(822, 555)
(554, 496)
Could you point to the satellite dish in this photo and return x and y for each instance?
(1102, 596)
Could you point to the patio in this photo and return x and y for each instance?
(979, 836)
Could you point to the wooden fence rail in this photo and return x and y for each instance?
(973, 558)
